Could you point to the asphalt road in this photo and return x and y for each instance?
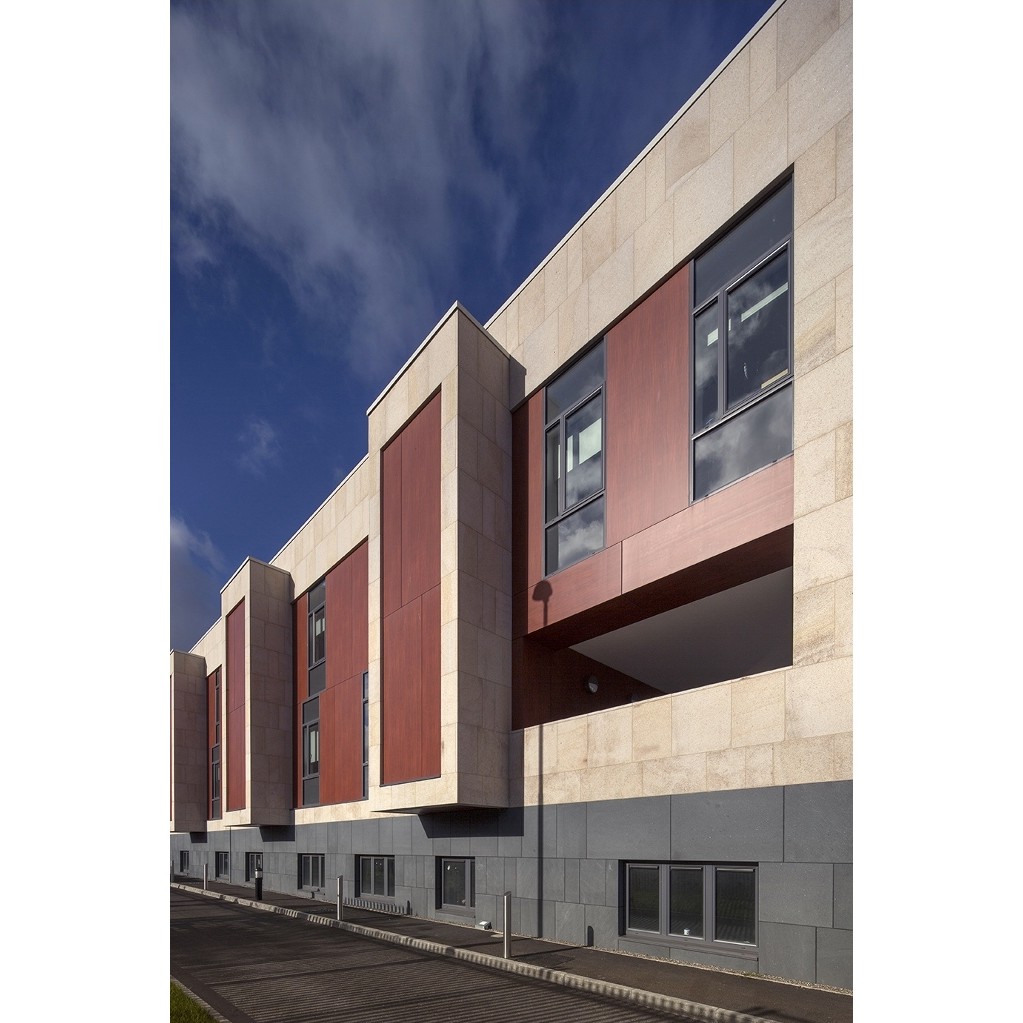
(255, 967)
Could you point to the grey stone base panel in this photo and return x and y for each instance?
(564, 863)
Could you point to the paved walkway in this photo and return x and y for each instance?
(706, 994)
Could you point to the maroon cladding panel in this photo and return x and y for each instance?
(647, 402)
(339, 623)
(555, 684)
(390, 527)
(420, 506)
(410, 600)
(401, 695)
(301, 647)
(359, 559)
(211, 738)
(345, 753)
(236, 708)
(430, 713)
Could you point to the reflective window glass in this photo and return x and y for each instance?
(735, 911)
(584, 475)
(706, 345)
(685, 902)
(575, 536)
(576, 382)
(644, 898)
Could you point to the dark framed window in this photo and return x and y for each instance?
(317, 637)
(693, 903)
(183, 861)
(365, 734)
(310, 870)
(376, 876)
(456, 883)
(311, 751)
(742, 347)
(253, 862)
(574, 462)
(223, 864)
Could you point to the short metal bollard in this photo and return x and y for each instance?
(205, 872)
(340, 889)
(507, 925)
(259, 882)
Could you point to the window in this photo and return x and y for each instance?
(365, 734)
(223, 865)
(742, 347)
(456, 885)
(317, 637)
(311, 751)
(376, 876)
(574, 457)
(183, 861)
(253, 862)
(310, 870)
(712, 904)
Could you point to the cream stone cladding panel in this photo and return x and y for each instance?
(188, 742)
(471, 371)
(781, 727)
(268, 593)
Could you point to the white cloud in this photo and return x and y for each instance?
(197, 570)
(340, 140)
(261, 446)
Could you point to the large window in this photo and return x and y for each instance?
(574, 462)
(317, 638)
(376, 876)
(310, 870)
(183, 861)
(742, 347)
(311, 751)
(456, 884)
(709, 904)
(215, 751)
(223, 864)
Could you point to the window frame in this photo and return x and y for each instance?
(317, 674)
(470, 873)
(782, 243)
(216, 778)
(310, 777)
(222, 864)
(365, 735)
(253, 862)
(317, 865)
(708, 941)
(390, 878)
(183, 861)
(560, 423)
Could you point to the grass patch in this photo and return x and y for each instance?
(186, 1010)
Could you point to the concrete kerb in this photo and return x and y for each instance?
(635, 996)
(205, 1006)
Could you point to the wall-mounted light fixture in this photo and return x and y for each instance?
(591, 684)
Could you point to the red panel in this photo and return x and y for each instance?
(589, 582)
(753, 507)
(390, 527)
(647, 402)
(339, 623)
(346, 744)
(401, 694)
(359, 559)
(235, 743)
(211, 738)
(429, 720)
(420, 505)
(301, 685)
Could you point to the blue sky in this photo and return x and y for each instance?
(341, 172)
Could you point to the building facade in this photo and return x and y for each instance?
(578, 626)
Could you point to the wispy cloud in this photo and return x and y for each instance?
(261, 446)
(197, 570)
(343, 142)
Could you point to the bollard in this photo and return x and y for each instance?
(205, 871)
(259, 882)
(340, 888)
(507, 925)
